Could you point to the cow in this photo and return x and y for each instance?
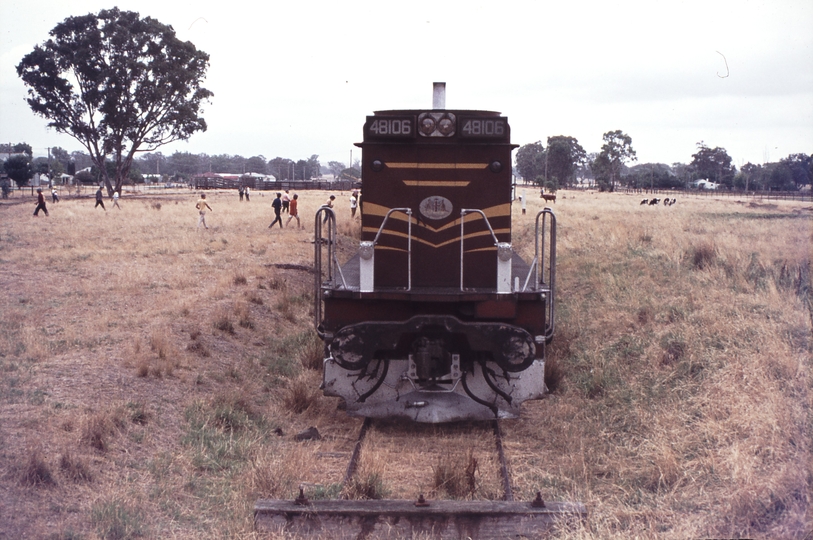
(549, 197)
(645, 201)
(653, 202)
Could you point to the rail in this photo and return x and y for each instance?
(327, 217)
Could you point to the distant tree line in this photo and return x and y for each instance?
(564, 163)
(19, 164)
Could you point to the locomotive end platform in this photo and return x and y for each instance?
(443, 519)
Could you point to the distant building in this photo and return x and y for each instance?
(704, 184)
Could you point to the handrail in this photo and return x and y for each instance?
(408, 212)
(463, 212)
(538, 264)
(330, 220)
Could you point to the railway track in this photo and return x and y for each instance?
(423, 515)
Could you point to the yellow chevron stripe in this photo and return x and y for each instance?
(425, 242)
(415, 165)
(372, 209)
(399, 250)
(500, 210)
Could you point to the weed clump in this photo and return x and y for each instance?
(97, 430)
(366, 486)
(223, 324)
(36, 471)
(300, 394)
(554, 374)
(456, 475)
(117, 520)
(74, 468)
(703, 255)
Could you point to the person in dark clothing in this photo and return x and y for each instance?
(277, 204)
(41, 204)
(99, 201)
(240, 191)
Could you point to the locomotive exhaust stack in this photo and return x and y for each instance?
(436, 318)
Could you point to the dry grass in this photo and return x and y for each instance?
(151, 368)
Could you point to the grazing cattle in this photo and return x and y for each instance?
(654, 202)
(549, 197)
(673, 201)
(645, 201)
(666, 202)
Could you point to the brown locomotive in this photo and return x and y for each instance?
(436, 318)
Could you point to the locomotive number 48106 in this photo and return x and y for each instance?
(391, 126)
(483, 127)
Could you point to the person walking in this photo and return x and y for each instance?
(202, 205)
(54, 195)
(116, 200)
(286, 202)
(328, 204)
(99, 201)
(40, 203)
(293, 212)
(277, 204)
(246, 192)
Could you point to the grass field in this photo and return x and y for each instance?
(153, 375)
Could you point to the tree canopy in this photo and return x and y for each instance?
(118, 84)
(19, 168)
(564, 155)
(531, 161)
(713, 164)
(615, 152)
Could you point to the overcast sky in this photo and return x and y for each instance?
(297, 78)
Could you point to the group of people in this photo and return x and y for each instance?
(244, 192)
(41, 201)
(55, 198)
(100, 199)
(284, 203)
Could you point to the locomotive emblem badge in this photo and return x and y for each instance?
(436, 207)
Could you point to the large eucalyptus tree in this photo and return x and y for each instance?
(119, 84)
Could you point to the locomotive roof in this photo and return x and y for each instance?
(390, 112)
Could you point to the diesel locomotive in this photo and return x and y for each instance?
(436, 317)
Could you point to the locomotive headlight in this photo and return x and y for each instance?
(504, 251)
(377, 165)
(446, 126)
(366, 250)
(427, 125)
(495, 166)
